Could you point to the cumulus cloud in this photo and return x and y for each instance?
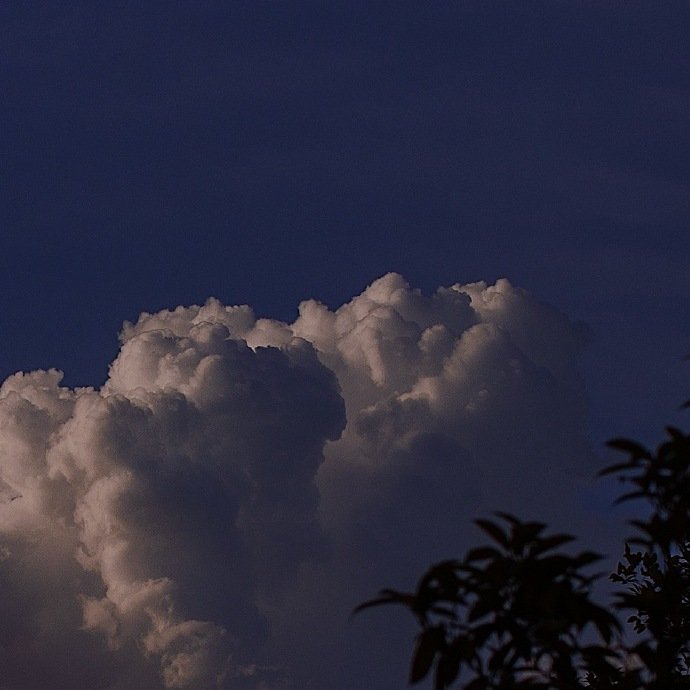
(208, 518)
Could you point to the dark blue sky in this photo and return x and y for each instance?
(157, 153)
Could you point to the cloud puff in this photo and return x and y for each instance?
(208, 518)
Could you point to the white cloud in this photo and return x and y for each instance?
(210, 516)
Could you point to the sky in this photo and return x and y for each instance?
(460, 233)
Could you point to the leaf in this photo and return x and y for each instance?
(635, 449)
(483, 632)
(497, 659)
(439, 582)
(481, 553)
(387, 596)
(676, 434)
(615, 468)
(493, 530)
(525, 533)
(548, 543)
(631, 495)
(604, 622)
(487, 603)
(429, 643)
(443, 571)
(508, 517)
(447, 670)
(556, 563)
(645, 652)
(444, 611)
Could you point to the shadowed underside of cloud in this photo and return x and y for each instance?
(211, 515)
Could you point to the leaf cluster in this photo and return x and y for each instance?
(518, 612)
(509, 615)
(655, 577)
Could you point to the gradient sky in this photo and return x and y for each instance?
(265, 152)
(157, 153)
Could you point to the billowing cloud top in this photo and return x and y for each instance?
(209, 517)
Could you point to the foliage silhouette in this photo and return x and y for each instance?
(518, 612)
(656, 576)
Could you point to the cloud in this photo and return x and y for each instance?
(209, 517)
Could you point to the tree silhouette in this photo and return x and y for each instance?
(518, 612)
(656, 576)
